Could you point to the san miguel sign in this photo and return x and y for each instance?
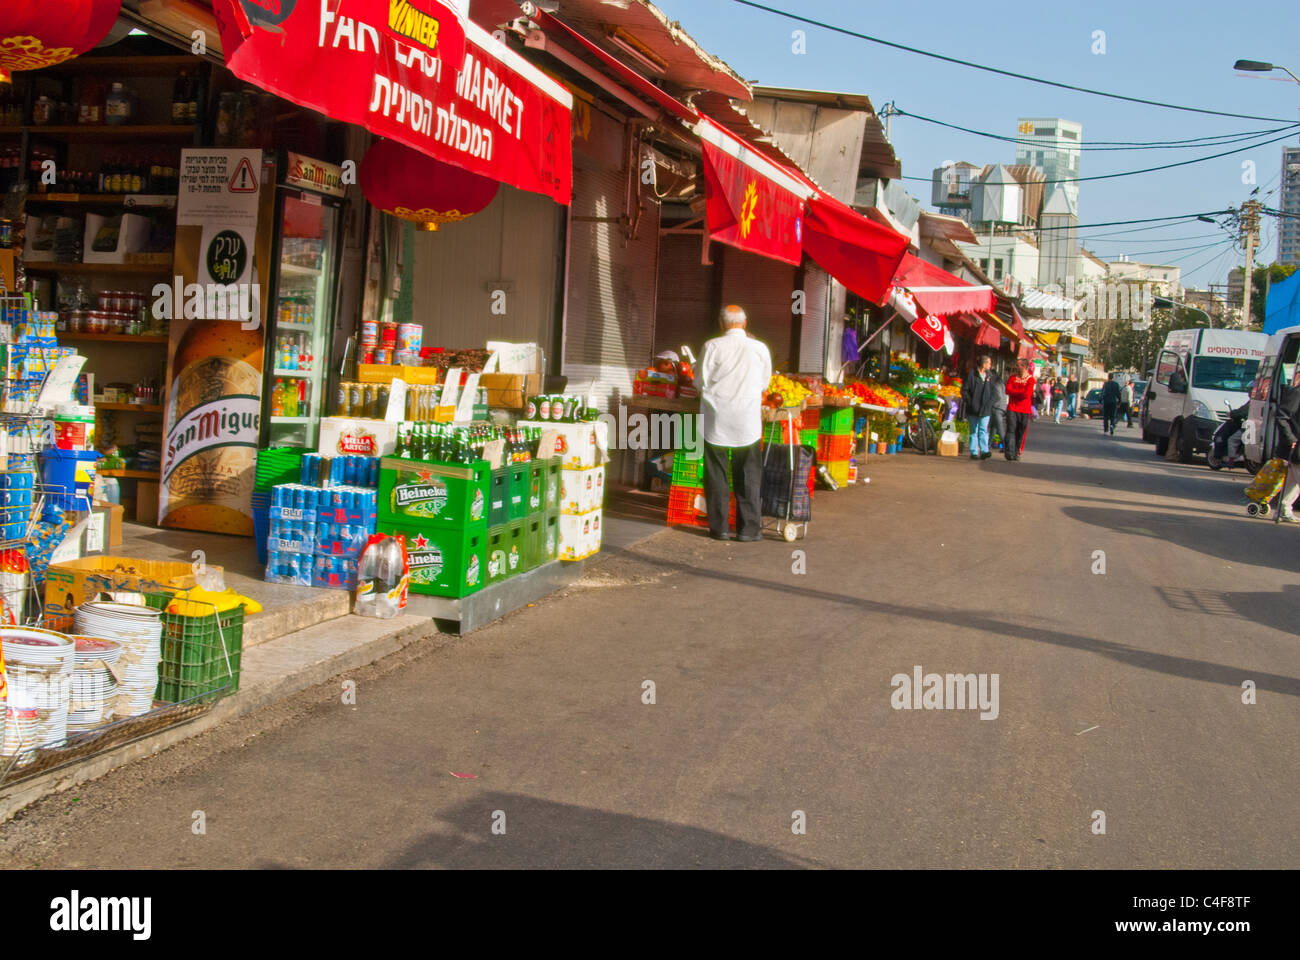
(412, 71)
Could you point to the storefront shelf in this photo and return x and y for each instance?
(130, 66)
(131, 474)
(74, 268)
(300, 374)
(275, 419)
(294, 270)
(142, 407)
(167, 200)
(117, 337)
(104, 131)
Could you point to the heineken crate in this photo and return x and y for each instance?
(517, 505)
(412, 491)
(536, 487)
(553, 467)
(199, 654)
(498, 496)
(445, 561)
(837, 420)
(498, 543)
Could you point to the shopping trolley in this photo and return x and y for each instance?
(785, 495)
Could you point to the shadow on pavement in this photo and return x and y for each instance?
(1279, 610)
(1236, 540)
(1186, 667)
(561, 836)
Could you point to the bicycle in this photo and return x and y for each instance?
(917, 428)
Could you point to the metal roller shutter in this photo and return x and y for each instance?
(763, 287)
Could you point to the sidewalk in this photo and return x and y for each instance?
(303, 637)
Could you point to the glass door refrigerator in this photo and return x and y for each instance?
(300, 314)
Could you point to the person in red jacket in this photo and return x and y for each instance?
(1020, 398)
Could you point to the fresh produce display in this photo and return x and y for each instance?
(784, 392)
(950, 389)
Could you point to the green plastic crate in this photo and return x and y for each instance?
(553, 467)
(687, 472)
(498, 543)
(277, 465)
(517, 504)
(498, 496)
(536, 487)
(412, 491)
(534, 540)
(836, 420)
(445, 561)
(551, 536)
(808, 438)
(200, 655)
(516, 551)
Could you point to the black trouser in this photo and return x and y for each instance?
(747, 476)
(1109, 417)
(998, 423)
(1017, 426)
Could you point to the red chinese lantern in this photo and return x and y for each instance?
(416, 187)
(36, 33)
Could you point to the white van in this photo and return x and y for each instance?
(1277, 371)
(1201, 374)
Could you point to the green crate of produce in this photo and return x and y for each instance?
(553, 467)
(498, 543)
(808, 438)
(498, 496)
(836, 420)
(200, 655)
(445, 561)
(277, 465)
(536, 487)
(412, 491)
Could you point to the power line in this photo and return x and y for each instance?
(1119, 223)
(1124, 173)
(1109, 145)
(1152, 253)
(1005, 73)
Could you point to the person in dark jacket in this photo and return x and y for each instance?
(1110, 399)
(978, 393)
(1288, 428)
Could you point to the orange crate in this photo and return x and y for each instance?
(682, 507)
(834, 446)
(810, 419)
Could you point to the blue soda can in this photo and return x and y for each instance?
(349, 470)
(336, 471)
(300, 498)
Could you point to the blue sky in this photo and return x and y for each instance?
(1174, 52)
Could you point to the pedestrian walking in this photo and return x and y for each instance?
(734, 374)
(1058, 398)
(1126, 401)
(998, 422)
(1020, 392)
(1072, 396)
(1288, 429)
(1042, 400)
(1110, 400)
(978, 394)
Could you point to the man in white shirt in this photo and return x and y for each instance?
(733, 379)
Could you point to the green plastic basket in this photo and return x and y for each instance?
(277, 465)
(687, 473)
(200, 655)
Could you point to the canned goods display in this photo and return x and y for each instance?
(410, 336)
(370, 333)
(383, 355)
(388, 334)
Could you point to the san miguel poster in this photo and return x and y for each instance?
(213, 409)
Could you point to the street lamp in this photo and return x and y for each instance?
(1167, 303)
(1258, 66)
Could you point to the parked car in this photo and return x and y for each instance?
(1092, 403)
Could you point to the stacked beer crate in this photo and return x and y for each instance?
(686, 505)
(835, 442)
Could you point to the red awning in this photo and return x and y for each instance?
(753, 203)
(859, 253)
(432, 81)
(939, 292)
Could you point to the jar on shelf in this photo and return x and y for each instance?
(79, 321)
(44, 111)
(117, 107)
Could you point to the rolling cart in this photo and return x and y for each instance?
(786, 504)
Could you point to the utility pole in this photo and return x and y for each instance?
(1250, 232)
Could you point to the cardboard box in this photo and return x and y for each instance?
(584, 445)
(949, 443)
(357, 436)
(509, 391)
(115, 514)
(132, 236)
(386, 373)
(579, 536)
(87, 537)
(582, 491)
(69, 584)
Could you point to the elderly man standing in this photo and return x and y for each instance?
(733, 379)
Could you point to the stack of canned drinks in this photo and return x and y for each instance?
(347, 471)
(317, 533)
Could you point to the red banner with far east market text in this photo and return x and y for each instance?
(746, 208)
(412, 71)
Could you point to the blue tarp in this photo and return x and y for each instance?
(1283, 306)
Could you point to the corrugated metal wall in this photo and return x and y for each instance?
(685, 310)
(763, 287)
(517, 240)
(812, 328)
(610, 303)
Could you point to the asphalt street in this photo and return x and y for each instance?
(1120, 691)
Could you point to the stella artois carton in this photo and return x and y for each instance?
(341, 436)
